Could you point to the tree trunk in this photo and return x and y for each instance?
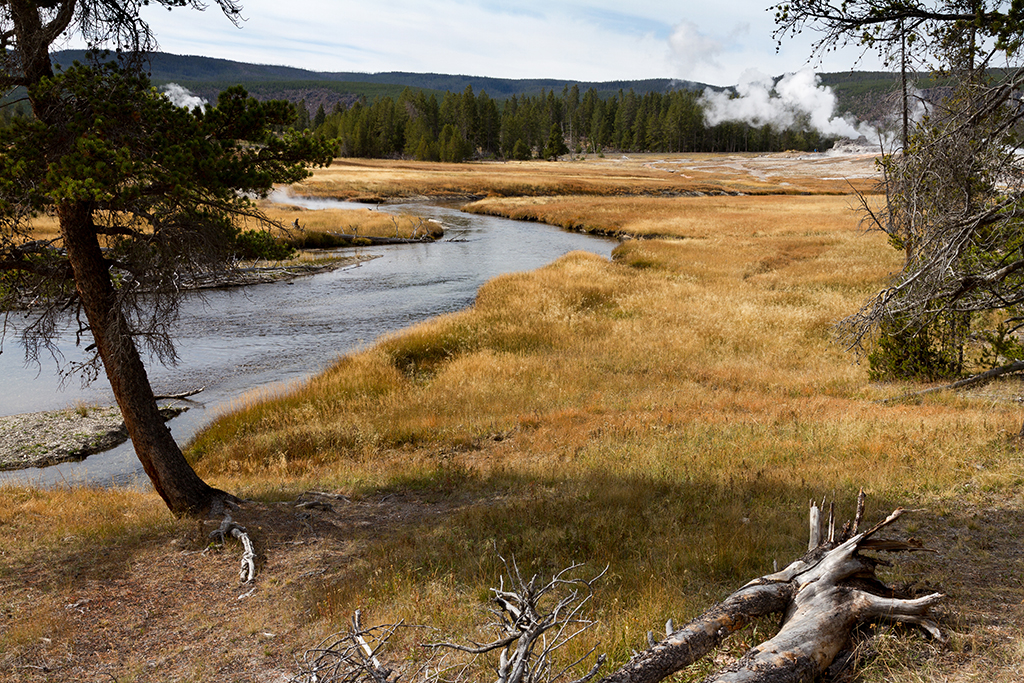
(172, 476)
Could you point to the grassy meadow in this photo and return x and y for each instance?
(314, 223)
(667, 413)
(365, 222)
(619, 176)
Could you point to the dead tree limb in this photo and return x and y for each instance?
(1015, 366)
(351, 657)
(533, 622)
(822, 596)
(183, 394)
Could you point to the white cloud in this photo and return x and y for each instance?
(596, 40)
(796, 98)
(690, 47)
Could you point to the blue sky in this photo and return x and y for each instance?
(589, 40)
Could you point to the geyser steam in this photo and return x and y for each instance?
(798, 98)
(182, 97)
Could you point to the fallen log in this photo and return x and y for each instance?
(1015, 366)
(369, 240)
(823, 596)
(181, 395)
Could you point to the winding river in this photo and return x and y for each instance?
(263, 337)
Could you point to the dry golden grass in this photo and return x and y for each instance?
(668, 413)
(45, 228)
(363, 222)
(704, 336)
(678, 217)
(641, 174)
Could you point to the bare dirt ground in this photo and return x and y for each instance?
(843, 163)
(173, 609)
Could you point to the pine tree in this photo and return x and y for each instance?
(145, 194)
(555, 146)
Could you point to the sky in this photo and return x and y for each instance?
(585, 40)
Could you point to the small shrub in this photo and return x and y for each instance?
(521, 151)
(931, 353)
(260, 244)
(321, 240)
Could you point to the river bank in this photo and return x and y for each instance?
(240, 339)
(307, 262)
(52, 437)
(55, 436)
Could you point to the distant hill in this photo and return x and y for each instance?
(874, 95)
(865, 94)
(207, 76)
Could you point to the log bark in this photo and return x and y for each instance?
(831, 597)
(705, 633)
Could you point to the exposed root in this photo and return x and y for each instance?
(248, 563)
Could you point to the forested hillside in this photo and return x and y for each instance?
(455, 127)
(455, 117)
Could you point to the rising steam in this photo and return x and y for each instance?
(182, 97)
(796, 100)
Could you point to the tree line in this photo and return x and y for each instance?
(460, 126)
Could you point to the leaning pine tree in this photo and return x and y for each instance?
(147, 195)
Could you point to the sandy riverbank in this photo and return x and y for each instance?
(56, 436)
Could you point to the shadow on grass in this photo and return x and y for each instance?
(684, 542)
(430, 549)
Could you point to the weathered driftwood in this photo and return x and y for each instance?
(535, 620)
(181, 395)
(350, 657)
(822, 596)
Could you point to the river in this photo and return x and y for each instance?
(265, 337)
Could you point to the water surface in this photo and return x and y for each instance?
(264, 337)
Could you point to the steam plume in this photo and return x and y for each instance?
(182, 97)
(798, 98)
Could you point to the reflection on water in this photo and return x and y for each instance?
(265, 336)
